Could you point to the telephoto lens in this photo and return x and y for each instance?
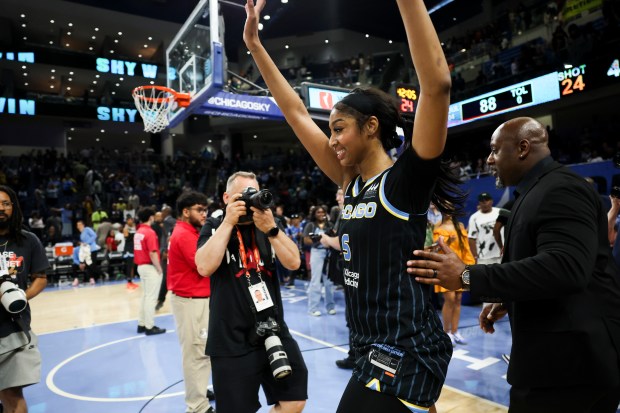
(13, 298)
(278, 360)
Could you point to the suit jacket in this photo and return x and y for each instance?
(559, 282)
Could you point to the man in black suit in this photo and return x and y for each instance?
(557, 281)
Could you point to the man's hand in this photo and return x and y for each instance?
(438, 269)
(263, 219)
(489, 315)
(234, 210)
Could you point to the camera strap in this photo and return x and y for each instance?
(259, 293)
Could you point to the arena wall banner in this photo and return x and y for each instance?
(574, 8)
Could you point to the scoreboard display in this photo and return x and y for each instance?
(518, 96)
(408, 98)
(498, 102)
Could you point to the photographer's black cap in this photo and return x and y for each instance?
(485, 196)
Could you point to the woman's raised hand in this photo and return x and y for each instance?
(250, 31)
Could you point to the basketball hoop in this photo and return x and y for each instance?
(155, 103)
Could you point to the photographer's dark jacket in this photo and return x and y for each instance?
(23, 260)
(232, 323)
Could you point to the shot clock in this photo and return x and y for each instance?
(408, 97)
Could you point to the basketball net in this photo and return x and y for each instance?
(155, 103)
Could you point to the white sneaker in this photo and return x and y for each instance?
(459, 338)
(452, 339)
(332, 311)
(315, 313)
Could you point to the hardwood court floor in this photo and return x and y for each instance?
(93, 361)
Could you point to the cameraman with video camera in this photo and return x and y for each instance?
(21, 255)
(249, 342)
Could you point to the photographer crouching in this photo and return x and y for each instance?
(249, 343)
(21, 255)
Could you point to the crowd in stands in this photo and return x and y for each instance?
(54, 188)
(562, 43)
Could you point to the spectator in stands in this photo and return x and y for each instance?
(103, 231)
(51, 236)
(24, 261)
(35, 222)
(98, 216)
(147, 258)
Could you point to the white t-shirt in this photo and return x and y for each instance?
(480, 228)
(120, 238)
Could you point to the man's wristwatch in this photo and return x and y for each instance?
(465, 278)
(273, 232)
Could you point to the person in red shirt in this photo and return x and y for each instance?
(190, 299)
(146, 257)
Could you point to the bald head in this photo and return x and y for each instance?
(530, 130)
(516, 146)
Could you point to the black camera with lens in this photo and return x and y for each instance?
(262, 199)
(12, 297)
(315, 237)
(278, 360)
(615, 192)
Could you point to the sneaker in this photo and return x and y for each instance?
(154, 330)
(459, 338)
(210, 395)
(348, 363)
(290, 285)
(452, 339)
(506, 358)
(210, 410)
(159, 305)
(76, 283)
(132, 286)
(141, 329)
(315, 313)
(332, 311)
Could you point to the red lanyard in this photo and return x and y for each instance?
(254, 258)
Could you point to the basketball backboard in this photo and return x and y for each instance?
(195, 59)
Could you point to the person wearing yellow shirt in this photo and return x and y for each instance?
(455, 235)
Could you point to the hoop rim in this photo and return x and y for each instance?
(183, 99)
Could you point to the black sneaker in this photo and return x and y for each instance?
(347, 363)
(211, 410)
(210, 395)
(141, 329)
(154, 330)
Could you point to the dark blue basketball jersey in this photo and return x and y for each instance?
(397, 334)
